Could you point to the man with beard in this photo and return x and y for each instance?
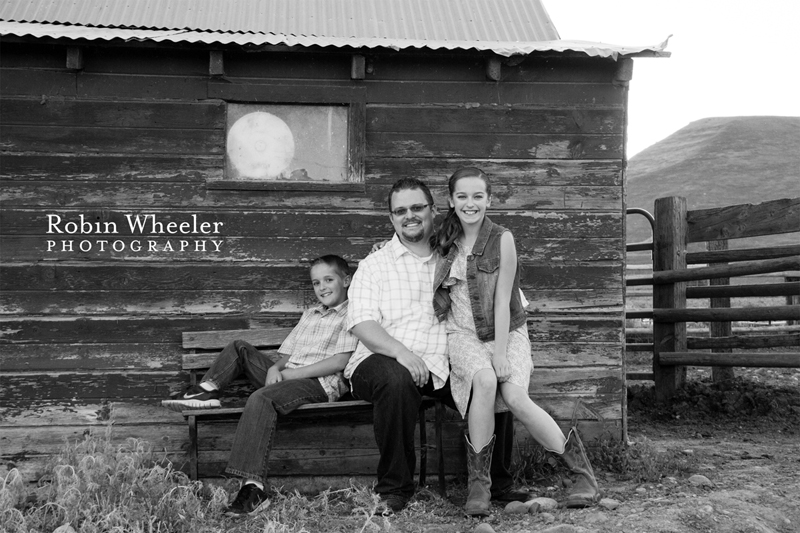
(402, 353)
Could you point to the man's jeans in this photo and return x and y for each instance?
(254, 434)
(387, 384)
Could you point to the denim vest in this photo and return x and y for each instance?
(483, 269)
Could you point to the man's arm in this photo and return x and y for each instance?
(326, 367)
(378, 341)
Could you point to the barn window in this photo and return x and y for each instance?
(293, 146)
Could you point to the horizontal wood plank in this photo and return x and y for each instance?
(38, 82)
(755, 359)
(289, 275)
(19, 388)
(743, 341)
(421, 92)
(278, 252)
(101, 140)
(493, 119)
(521, 173)
(93, 353)
(445, 65)
(558, 355)
(144, 60)
(114, 173)
(576, 329)
(744, 291)
(142, 87)
(119, 329)
(204, 360)
(154, 302)
(143, 277)
(159, 191)
(312, 66)
(285, 224)
(70, 113)
(746, 220)
(106, 330)
(763, 313)
(216, 340)
(177, 301)
(746, 254)
(32, 55)
(473, 145)
(90, 356)
(727, 271)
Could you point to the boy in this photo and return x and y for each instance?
(309, 371)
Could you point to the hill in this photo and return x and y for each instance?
(714, 162)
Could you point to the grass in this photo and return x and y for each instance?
(97, 486)
(637, 461)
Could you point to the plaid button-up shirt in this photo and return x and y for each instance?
(320, 333)
(394, 288)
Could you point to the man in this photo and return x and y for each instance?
(402, 353)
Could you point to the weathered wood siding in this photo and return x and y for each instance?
(92, 338)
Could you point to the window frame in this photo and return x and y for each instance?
(351, 96)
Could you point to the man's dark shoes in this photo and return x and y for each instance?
(249, 501)
(395, 502)
(194, 397)
(512, 495)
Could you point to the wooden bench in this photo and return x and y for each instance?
(204, 346)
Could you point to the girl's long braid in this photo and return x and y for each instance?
(449, 232)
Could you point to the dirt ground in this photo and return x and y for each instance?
(745, 441)
(736, 452)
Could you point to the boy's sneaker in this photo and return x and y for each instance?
(194, 397)
(249, 501)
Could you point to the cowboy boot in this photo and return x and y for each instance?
(585, 491)
(480, 483)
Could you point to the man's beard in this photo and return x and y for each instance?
(417, 237)
(414, 238)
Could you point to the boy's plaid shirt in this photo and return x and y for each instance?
(394, 288)
(320, 333)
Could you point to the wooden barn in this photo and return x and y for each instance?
(171, 167)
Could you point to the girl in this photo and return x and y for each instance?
(477, 292)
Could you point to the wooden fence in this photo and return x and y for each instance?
(675, 268)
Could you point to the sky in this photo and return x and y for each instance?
(729, 58)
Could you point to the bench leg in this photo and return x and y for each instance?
(192, 420)
(440, 447)
(423, 447)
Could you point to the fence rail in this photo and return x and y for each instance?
(675, 276)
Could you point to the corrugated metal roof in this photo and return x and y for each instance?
(506, 27)
(442, 20)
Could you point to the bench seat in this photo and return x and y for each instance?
(196, 362)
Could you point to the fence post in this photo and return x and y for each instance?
(720, 374)
(794, 299)
(669, 253)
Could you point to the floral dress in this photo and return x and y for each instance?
(468, 354)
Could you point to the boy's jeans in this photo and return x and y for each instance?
(254, 434)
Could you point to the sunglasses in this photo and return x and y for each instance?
(416, 208)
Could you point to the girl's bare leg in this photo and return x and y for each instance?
(481, 408)
(543, 428)
(480, 442)
(536, 420)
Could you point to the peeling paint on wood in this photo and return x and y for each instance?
(90, 339)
